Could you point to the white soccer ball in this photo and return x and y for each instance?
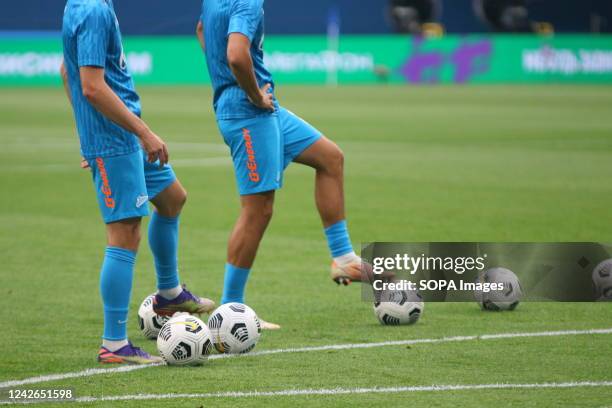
(507, 299)
(235, 328)
(184, 340)
(149, 322)
(398, 307)
(602, 280)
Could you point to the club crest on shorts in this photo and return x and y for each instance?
(141, 200)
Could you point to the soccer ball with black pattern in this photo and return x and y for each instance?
(184, 340)
(507, 299)
(235, 328)
(149, 322)
(398, 307)
(602, 281)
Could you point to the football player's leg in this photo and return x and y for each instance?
(255, 214)
(164, 238)
(116, 287)
(256, 149)
(168, 197)
(116, 280)
(305, 145)
(328, 161)
(119, 180)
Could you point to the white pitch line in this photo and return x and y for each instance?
(99, 371)
(335, 391)
(416, 341)
(64, 376)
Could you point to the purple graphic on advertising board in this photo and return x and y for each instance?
(469, 59)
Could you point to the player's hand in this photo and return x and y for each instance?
(84, 164)
(266, 99)
(155, 148)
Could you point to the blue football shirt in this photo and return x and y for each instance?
(91, 37)
(220, 19)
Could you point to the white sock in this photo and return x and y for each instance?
(347, 259)
(114, 345)
(170, 293)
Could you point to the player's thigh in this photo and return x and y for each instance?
(157, 178)
(120, 186)
(163, 188)
(298, 135)
(256, 148)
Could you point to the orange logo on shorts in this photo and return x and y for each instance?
(251, 162)
(106, 189)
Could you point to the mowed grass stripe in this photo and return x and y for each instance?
(99, 371)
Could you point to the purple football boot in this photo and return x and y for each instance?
(185, 302)
(127, 354)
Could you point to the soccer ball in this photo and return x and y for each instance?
(398, 307)
(602, 280)
(235, 328)
(184, 340)
(508, 299)
(149, 322)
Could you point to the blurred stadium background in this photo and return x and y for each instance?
(329, 41)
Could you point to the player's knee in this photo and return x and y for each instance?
(134, 239)
(125, 234)
(180, 200)
(132, 236)
(172, 205)
(263, 214)
(267, 211)
(259, 215)
(339, 157)
(334, 161)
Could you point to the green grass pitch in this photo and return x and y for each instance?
(422, 164)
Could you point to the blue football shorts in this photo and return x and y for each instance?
(262, 147)
(125, 184)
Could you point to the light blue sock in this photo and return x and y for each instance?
(163, 241)
(338, 239)
(116, 288)
(234, 284)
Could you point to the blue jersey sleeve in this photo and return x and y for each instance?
(93, 37)
(244, 17)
